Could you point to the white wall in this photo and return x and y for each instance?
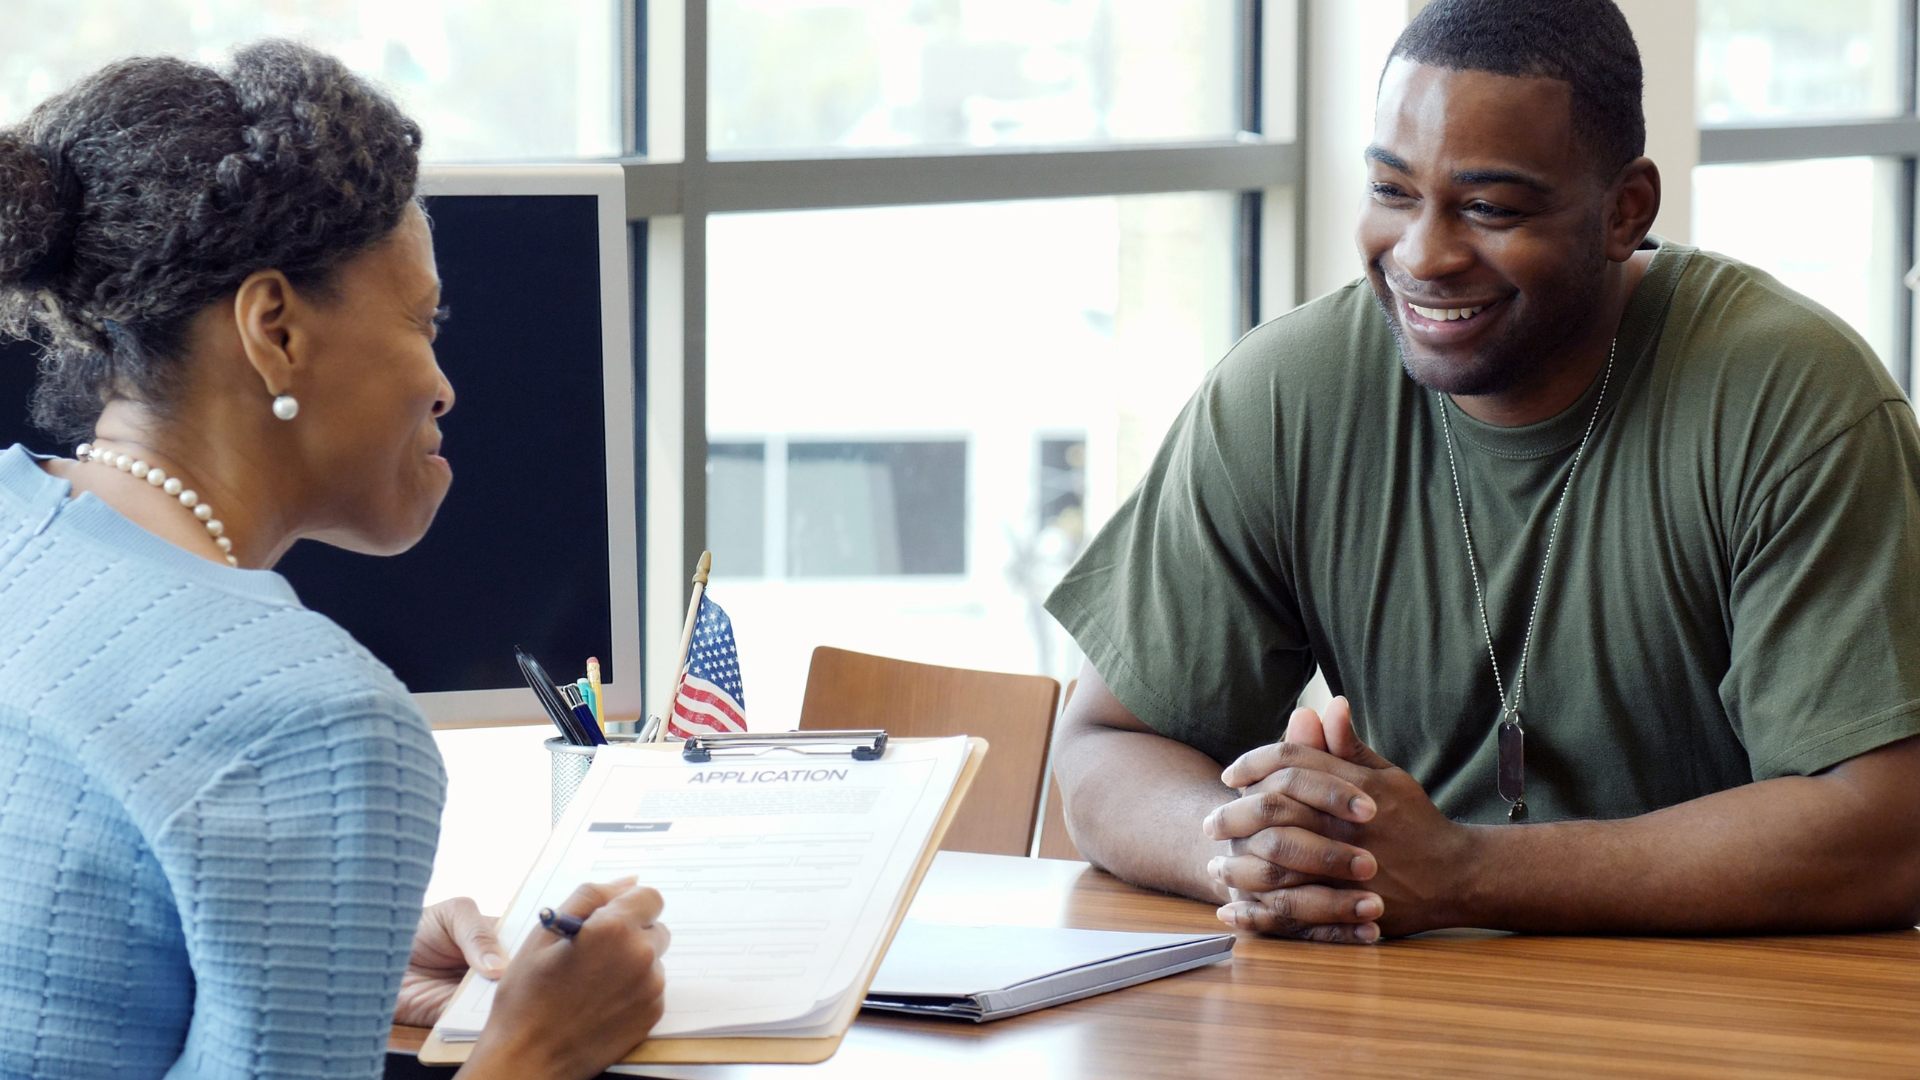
(1348, 43)
(1665, 32)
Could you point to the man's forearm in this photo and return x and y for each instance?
(1134, 802)
(1793, 854)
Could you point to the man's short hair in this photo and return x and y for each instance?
(1584, 43)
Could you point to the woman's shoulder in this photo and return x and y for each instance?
(154, 681)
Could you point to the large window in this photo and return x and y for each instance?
(888, 390)
(1808, 145)
(927, 281)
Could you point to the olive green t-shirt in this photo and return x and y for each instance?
(1734, 592)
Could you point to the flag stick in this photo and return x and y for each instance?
(686, 642)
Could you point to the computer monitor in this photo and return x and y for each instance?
(537, 543)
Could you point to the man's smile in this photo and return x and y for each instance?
(1446, 314)
(1446, 322)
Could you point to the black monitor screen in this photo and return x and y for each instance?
(519, 553)
(16, 386)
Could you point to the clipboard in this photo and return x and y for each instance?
(861, 745)
(765, 1049)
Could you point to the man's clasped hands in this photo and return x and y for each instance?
(1331, 842)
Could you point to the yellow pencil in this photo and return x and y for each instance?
(593, 680)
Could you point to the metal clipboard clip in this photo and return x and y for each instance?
(862, 745)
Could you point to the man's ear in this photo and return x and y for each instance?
(265, 309)
(1632, 204)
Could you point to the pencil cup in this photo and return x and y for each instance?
(570, 764)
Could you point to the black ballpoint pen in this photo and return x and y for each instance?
(550, 700)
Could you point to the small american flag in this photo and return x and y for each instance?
(710, 697)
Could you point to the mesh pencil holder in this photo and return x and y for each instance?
(569, 768)
(569, 765)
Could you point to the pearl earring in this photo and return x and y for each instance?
(285, 407)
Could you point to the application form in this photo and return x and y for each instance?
(781, 873)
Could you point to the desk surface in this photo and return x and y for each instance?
(1452, 1003)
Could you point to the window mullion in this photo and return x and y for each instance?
(1247, 221)
(693, 211)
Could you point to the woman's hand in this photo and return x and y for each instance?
(569, 1008)
(453, 936)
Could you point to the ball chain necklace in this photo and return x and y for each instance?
(172, 485)
(1511, 774)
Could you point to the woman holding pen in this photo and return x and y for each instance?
(220, 811)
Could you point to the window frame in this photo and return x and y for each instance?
(1896, 137)
(674, 184)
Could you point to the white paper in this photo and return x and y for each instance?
(780, 873)
(930, 958)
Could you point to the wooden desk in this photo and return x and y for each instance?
(1449, 1004)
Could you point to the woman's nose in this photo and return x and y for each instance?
(443, 402)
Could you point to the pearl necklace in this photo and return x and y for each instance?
(169, 484)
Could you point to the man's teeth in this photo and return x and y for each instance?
(1447, 314)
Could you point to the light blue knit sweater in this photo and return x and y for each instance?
(217, 811)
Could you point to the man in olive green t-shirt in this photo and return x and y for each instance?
(1612, 547)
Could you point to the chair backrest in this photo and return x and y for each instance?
(1054, 841)
(1014, 713)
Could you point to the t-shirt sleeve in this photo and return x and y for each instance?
(1825, 603)
(299, 873)
(1181, 602)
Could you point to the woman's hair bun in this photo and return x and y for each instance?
(37, 215)
(145, 192)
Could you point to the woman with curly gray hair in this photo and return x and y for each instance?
(220, 811)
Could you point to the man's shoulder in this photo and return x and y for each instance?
(1339, 337)
(1749, 351)
(1329, 354)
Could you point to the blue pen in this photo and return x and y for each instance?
(587, 695)
(560, 922)
(582, 715)
(585, 716)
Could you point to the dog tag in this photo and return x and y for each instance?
(1513, 765)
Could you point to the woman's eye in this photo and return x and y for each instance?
(1388, 192)
(1488, 210)
(440, 315)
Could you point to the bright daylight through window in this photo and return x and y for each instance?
(488, 80)
(879, 73)
(1846, 257)
(1764, 60)
(928, 409)
(1838, 229)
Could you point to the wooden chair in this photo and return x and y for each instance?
(1054, 841)
(1014, 713)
